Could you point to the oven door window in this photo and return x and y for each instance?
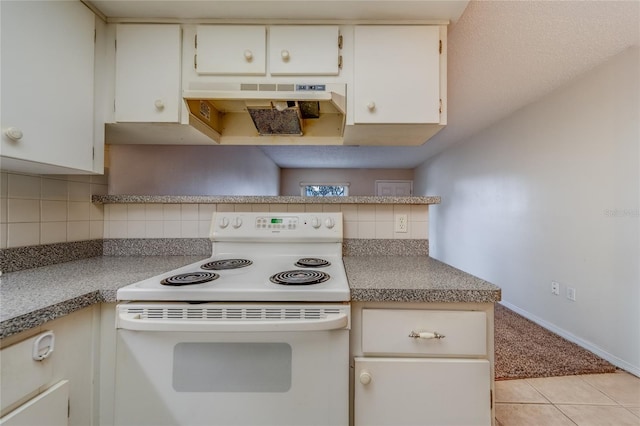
(231, 367)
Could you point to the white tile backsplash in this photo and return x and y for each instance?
(78, 230)
(154, 229)
(171, 212)
(136, 229)
(205, 211)
(366, 213)
(384, 213)
(53, 232)
(154, 211)
(171, 228)
(136, 212)
(53, 211)
(189, 229)
(23, 234)
(54, 189)
(194, 220)
(79, 210)
(23, 186)
(23, 210)
(53, 208)
(189, 212)
(79, 191)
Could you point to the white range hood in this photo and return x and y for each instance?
(266, 113)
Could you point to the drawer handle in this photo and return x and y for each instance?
(426, 335)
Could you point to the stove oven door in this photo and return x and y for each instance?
(213, 364)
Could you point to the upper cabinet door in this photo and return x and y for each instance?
(303, 50)
(396, 74)
(148, 67)
(47, 86)
(231, 49)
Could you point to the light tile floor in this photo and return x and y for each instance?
(586, 400)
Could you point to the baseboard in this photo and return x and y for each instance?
(635, 370)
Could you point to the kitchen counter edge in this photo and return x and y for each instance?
(422, 279)
(232, 199)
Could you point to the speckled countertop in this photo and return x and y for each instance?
(32, 297)
(241, 199)
(414, 279)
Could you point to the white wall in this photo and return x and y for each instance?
(191, 170)
(361, 181)
(552, 193)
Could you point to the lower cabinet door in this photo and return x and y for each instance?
(50, 408)
(422, 391)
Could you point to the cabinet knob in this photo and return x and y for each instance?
(365, 377)
(13, 133)
(371, 106)
(248, 55)
(159, 104)
(285, 55)
(426, 335)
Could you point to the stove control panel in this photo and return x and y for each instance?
(270, 222)
(241, 226)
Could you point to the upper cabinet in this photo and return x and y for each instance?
(396, 74)
(147, 73)
(231, 49)
(304, 50)
(246, 50)
(391, 79)
(47, 106)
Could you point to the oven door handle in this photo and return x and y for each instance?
(128, 321)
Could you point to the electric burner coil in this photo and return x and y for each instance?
(312, 262)
(222, 264)
(299, 277)
(190, 278)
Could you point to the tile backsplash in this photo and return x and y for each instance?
(361, 221)
(49, 209)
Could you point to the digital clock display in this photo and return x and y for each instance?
(276, 220)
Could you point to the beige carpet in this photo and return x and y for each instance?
(523, 349)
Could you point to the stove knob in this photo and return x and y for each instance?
(237, 222)
(224, 222)
(315, 222)
(329, 222)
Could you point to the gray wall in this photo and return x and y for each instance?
(191, 170)
(552, 193)
(362, 181)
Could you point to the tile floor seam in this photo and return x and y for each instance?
(601, 391)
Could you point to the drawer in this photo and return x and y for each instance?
(386, 332)
(20, 374)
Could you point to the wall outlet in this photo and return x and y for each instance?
(555, 288)
(401, 223)
(571, 293)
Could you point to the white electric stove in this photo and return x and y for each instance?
(263, 323)
(283, 257)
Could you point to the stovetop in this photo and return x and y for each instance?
(297, 245)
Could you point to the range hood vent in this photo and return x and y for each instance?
(240, 113)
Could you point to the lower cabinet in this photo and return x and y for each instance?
(48, 374)
(422, 365)
(49, 408)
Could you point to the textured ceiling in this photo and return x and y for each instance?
(502, 56)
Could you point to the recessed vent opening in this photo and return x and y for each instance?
(232, 313)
